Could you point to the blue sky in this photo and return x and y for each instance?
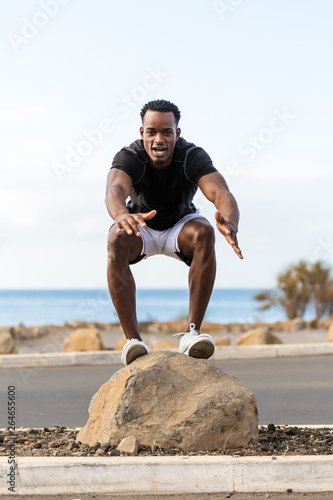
(253, 81)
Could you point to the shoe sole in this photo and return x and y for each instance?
(135, 352)
(201, 349)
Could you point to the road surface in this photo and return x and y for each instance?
(289, 391)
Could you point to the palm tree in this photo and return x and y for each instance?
(299, 286)
(321, 289)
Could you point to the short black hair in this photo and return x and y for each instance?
(163, 106)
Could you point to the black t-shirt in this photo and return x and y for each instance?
(170, 190)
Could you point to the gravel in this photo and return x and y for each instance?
(61, 442)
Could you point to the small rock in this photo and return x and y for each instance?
(105, 447)
(100, 452)
(114, 453)
(271, 428)
(267, 447)
(128, 445)
(72, 446)
(55, 444)
(38, 445)
(94, 448)
(32, 431)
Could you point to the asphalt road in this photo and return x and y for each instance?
(289, 391)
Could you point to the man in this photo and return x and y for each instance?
(161, 174)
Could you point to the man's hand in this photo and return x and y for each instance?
(130, 222)
(229, 232)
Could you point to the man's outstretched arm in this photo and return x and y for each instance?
(216, 190)
(118, 188)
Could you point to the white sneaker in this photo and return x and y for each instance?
(133, 349)
(196, 345)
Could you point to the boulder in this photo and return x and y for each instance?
(43, 331)
(235, 328)
(83, 339)
(84, 324)
(330, 333)
(210, 328)
(258, 336)
(21, 332)
(324, 323)
(79, 324)
(312, 324)
(172, 400)
(120, 344)
(223, 341)
(163, 344)
(296, 324)
(7, 342)
(152, 327)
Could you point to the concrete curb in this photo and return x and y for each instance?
(186, 474)
(41, 360)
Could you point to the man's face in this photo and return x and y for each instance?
(159, 134)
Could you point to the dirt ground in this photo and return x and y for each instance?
(60, 442)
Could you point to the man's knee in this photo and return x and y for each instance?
(124, 246)
(204, 236)
(198, 237)
(116, 242)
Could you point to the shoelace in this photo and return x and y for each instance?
(192, 330)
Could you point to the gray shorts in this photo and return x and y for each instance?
(164, 242)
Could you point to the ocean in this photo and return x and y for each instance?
(40, 307)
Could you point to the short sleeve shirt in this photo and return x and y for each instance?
(170, 190)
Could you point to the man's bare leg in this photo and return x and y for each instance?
(122, 249)
(196, 240)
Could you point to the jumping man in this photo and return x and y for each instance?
(160, 174)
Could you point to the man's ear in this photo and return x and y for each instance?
(178, 131)
(141, 132)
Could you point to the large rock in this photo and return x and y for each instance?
(7, 342)
(163, 344)
(330, 333)
(83, 339)
(223, 341)
(21, 332)
(296, 324)
(172, 400)
(120, 344)
(258, 336)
